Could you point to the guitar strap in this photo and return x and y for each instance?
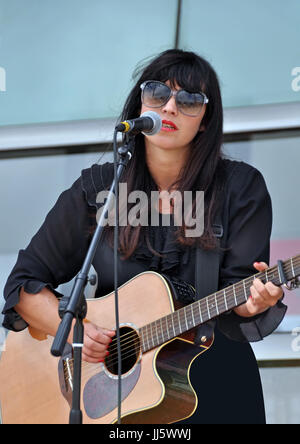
(207, 266)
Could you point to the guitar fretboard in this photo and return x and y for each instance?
(180, 321)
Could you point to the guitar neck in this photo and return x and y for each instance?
(180, 321)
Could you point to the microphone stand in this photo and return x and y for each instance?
(76, 306)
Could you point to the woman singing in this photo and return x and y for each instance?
(185, 155)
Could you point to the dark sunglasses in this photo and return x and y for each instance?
(156, 94)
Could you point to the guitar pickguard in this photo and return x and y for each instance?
(97, 391)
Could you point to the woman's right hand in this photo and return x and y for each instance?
(95, 342)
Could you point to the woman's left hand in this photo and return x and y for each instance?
(263, 296)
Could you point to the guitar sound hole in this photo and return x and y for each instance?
(130, 351)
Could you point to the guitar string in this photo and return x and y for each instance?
(92, 370)
(126, 355)
(221, 294)
(133, 335)
(186, 317)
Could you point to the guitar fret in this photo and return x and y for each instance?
(234, 294)
(210, 306)
(152, 335)
(162, 330)
(190, 321)
(147, 337)
(166, 318)
(213, 306)
(266, 274)
(173, 325)
(179, 324)
(207, 307)
(192, 310)
(217, 308)
(187, 318)
(245, 291)
(156, 332)
(191, 317)
(200, 312)
(228, 298)
(186, 323)
(225, 299)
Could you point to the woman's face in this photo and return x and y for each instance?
(178, 130)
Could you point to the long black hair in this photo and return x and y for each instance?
(203, 168)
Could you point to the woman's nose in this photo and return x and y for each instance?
(170, 106)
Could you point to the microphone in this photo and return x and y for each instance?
(149, 123)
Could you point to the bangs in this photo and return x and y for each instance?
(187, 77)
(188, 71)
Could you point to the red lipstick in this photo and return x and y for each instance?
(168, 125)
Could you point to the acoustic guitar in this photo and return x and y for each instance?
(157, 348)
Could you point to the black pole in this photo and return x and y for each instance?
(76, 413)
(76, 307)
(178, 24)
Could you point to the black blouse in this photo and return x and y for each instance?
(56, 253)
(226, 378)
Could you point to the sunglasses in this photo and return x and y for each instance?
(156, 94)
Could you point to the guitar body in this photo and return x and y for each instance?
(179, 400)
(36, 387)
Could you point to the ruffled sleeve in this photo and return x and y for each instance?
(95, 179)
(249, 215)
(56, 253)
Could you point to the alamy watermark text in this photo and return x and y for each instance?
(296, 79)
(187, 209)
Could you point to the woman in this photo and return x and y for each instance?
(184, 156)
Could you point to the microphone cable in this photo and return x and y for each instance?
(116, 243)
